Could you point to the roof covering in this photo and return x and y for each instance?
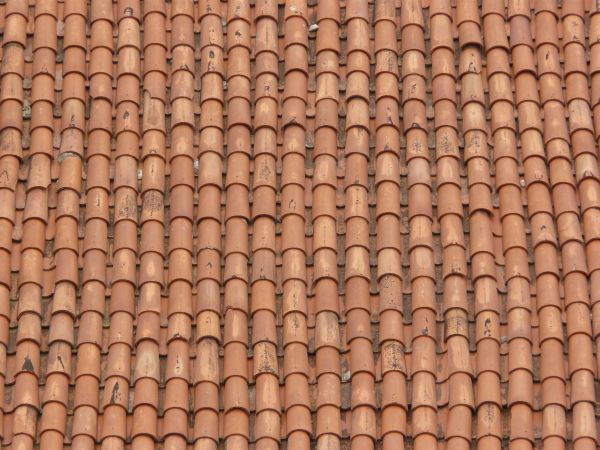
(272, 224)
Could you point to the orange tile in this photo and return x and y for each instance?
(299, 224)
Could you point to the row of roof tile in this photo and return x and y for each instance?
(332, 224)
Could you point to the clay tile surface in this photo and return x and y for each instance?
(299, 224)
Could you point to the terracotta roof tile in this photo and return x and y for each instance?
(298, 224)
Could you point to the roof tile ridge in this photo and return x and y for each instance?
(423, 372)
(557, 142)
(450, 217)
(29, 372)
(568, 216)
(266, 368)
(115, 403)
(356, 215)
(11, 131)
(146, 376)
(66, 246)
(293, 244)
(481, 239)
(392, 362)
(584, 138)
(95, 246)
(178, 164)
(518, 304)
(325, 225)
(207, 220)
(236, 376)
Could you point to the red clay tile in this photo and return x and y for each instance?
(327, 328)
(420, 251)
(299, 224)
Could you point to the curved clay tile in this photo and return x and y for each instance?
(483, 261)
(264, 281)
(589, 221)
(581, 304)
(389, 274)
(328, 430)
(298, 427)
(520, 395)
(420, 251)
(11, 126)
(95, 250)
(117, 375)
(236, 278)
(146, 371)
(55, 401)
(357, 276)
(573, 257)
(28, 372)
(450, 217)
(208, 309)
(299, 224)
